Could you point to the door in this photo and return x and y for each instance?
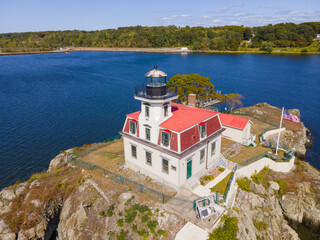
(189, 169)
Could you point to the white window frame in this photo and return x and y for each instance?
(150, 164)
(215, 147)
(136, 152)
(135, 127)
(169, 136)
(201, 128)
(146, 130)
(203, 157)
(163, 159)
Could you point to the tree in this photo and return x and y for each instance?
(192, 83)
(232, 100)
(267, 47)
(247, 33)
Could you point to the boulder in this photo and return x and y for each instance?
(7, 194)
(274, 186)
(59, 160)
(291, 207)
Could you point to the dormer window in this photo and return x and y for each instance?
(147, 111)
(165, 139)
(132, 127)
(203, 130)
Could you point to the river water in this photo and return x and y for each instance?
(52, 102)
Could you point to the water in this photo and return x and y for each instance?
(52, 102)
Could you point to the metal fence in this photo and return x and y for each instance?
(123, 180)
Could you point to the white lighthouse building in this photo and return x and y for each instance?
(167, 141)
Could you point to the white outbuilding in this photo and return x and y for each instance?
(238, 129)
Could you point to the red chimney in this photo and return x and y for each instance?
(192, 100)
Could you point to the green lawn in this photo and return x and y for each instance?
(222, 186)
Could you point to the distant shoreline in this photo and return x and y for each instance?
(155, 50)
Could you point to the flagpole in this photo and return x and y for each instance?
(279, 131)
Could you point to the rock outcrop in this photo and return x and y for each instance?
(69, 203)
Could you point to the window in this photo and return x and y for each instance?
(165, 166)
(173, 168)
(165, 139)
(147, 111)
(213, 148)
(148, 133)
(166, 110)
(148, 158)
(203, 131)
(202, 152)
(134, 151)
(132, 127)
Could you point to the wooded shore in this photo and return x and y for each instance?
(156, 50)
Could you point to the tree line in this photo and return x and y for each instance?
(196, 38)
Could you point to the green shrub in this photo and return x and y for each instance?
(102, 213)
(162, 233)
(143, 233)
(38, 176)
(244, 184)
(130, 216)
(226, 232)
(144, 218)
(110, 210)
(140, 208)
(122, 235)
(221, 169)
(134, 228)
(261, 176)
(283, 186)
(236, 209)
(120, 222)
(152, 225)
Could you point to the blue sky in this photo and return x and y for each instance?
(40, 15)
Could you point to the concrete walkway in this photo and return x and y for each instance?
(191, 232)
(205, 190)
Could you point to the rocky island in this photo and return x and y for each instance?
(73, 202)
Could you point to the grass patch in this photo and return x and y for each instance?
(206, 178)
(39, 176)
(226, 232)
(260, 225)
(222, 186)
(262, 177)
(244, 184)
(283, 186)
(248, 152)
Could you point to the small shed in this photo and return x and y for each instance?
(238, 129)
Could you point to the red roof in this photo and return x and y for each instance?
(233, 121)
(134, 115)
(185, 117)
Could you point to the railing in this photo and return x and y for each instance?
(159, 196)
(142, 92)
(230, 182)
(123, 180)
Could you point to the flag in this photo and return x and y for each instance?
(290, 117)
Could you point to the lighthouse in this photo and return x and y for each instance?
(170, 142)
(155, 104)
